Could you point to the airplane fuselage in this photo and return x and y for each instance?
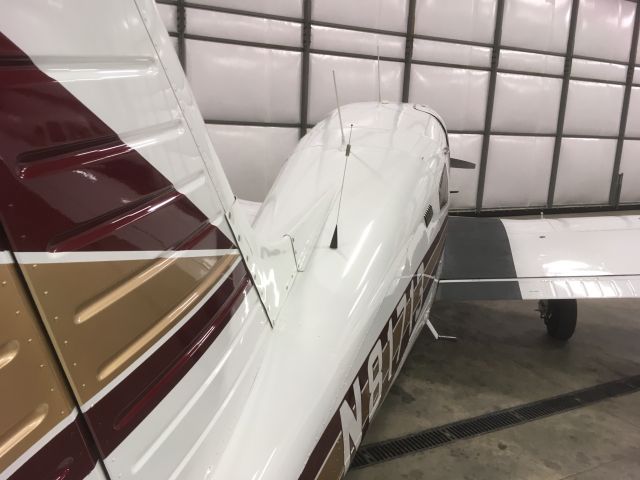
(185, 340)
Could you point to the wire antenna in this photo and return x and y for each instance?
(335, 87)
(379, 80)
(334, 239)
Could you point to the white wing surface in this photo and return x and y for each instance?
(580, 257)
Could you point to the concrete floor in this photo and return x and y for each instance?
(503, 359)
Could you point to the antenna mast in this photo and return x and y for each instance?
(379, 81)
(335, 87)
(334, 239)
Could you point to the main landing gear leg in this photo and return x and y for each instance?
(560, 317)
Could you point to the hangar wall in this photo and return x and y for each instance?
(544, 95)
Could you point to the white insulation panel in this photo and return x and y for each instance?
(250, 29)
(357, 81)
(458, 94)
(536, 24)
(351, 41)
(604, 29)
(518, 170)
(526, 104)
(531, 62)
(465, 181)
(288, 8)
(453, 53)
(630, 167)
(584, 171)
(613, 72)
(472, 20)
(252, 156)
(593, 108)
(633, 116)
(263, 84)
(379, 14)
(234, 82)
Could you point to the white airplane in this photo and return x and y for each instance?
(154, 327)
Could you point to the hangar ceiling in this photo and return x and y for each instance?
(543, 95)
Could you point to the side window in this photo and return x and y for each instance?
(444, 188)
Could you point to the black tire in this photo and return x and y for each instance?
(560, 317)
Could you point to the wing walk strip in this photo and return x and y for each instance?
(327, 461)
(378, 452)
(478, 248)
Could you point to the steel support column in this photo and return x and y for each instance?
(616, 176)
(304, 78)
(495, 58)
(181, 25)
(408, 50)
(568, 61)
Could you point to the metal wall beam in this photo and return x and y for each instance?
(495, 58)
(408, 50)
(306, 50)
(616, 177)
(181, 25)
(563, 210)
(304, 77)
(568, 61)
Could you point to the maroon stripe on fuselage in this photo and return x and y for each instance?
(121, 410)
(67, 456)
(332, 430)
(70, 183)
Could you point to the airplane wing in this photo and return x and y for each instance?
(503, 259)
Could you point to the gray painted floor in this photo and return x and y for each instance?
(503, 359)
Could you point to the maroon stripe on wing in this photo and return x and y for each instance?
(67, 456)
(70, 183)
(118, 413)
(4, 243)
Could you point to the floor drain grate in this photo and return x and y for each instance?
(389, 449)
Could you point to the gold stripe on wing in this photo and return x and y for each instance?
(8, 352)
(34, 397)
(22, 428)
(102, 315)
(168, 320)
(104, 301)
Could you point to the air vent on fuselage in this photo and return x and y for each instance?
(428, 215)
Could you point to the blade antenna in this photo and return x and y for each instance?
(335, 87)
(334, 239)
(379, 80)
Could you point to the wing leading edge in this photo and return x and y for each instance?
(503, 259)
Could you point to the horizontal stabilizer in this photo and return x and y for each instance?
(457, 163)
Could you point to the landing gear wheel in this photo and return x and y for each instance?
(560, 317)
